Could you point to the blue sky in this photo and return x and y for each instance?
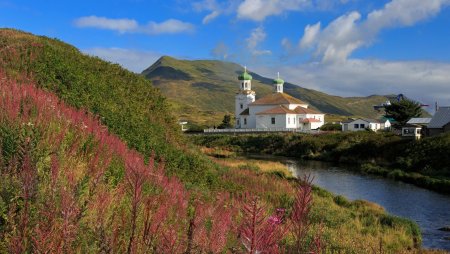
(342, 47)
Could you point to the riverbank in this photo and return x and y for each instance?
(425, 163)
(429, 209)
(348, 226)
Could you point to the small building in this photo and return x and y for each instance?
(183, 125)
(361, 124)
(440, 122)
(414, 127)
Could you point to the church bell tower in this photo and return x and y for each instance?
(243, 98)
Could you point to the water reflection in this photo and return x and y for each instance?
(429, 209)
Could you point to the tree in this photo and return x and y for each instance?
(403, 110)
(226, 122)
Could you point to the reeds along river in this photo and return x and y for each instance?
(429, 209)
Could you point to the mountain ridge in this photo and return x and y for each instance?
(207, 88)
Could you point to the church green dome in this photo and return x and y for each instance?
(278, 81)
(245, 76)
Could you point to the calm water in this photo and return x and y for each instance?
(429, 209)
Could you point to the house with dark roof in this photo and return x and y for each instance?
(440, 122)
(361, 124)
(274, 111)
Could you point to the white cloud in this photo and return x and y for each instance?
(215, 8)
(257, 36)
(310, 35)
(169, 26)
(258, 10)
(208, 18)
(133, 60)
(220, 51)
(121, 25)
(424, 81)
(337, 41)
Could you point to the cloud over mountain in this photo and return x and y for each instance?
(170, 26)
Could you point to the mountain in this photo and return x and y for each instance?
(202, 91)
(125, 102)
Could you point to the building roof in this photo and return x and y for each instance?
(368, 120)
(420, 121)
(246, 112)
(302, 110)
(278, 81)
(245, 76)
(440, 118)
(277, 99)
(310, 120)
(279, 110)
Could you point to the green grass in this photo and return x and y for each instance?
(127, 103)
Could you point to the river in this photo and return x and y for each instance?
(429, 209)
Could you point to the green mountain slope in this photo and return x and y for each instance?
(125, 102)
(203, 90)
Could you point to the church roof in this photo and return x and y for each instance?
(246, 112)
(279, 110)
(277, 99)
(245, 76)
(302, 110)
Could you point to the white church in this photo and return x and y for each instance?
(274, 111)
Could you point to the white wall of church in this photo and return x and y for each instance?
(254, 109)
(241, 103)
(291, 121)
(265, 121)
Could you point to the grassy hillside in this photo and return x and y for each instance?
(70, 186)
(127, 103)
(202, 91)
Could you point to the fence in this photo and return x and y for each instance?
(259, 130)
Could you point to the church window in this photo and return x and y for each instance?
(289, 120)
(245, 121)
(242, 85)
(242, 106)
(273, 120)
(238, 123)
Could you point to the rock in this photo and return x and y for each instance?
(447, 229)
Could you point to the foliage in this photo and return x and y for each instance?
(331, 127)
(403, 110)
(422, 162)
(226, 122)
(125, 102)
(70, 185)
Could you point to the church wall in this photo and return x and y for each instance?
(245, 100)
(254, 109)
(265, 121)
(291, 121)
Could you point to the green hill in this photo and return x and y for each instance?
(203, 90)
(126, 103)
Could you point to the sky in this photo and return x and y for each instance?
(341, 47)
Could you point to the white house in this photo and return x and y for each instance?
(414, 126)
(361, 124)
(274, 111)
